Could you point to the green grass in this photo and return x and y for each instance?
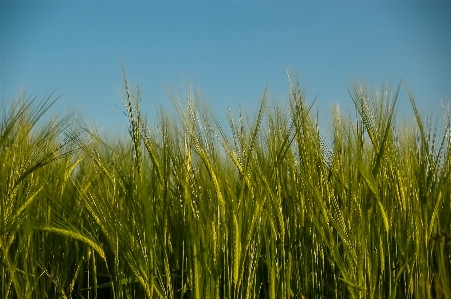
(262, 208)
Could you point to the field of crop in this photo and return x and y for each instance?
(190, 208)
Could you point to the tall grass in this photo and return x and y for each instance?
(262, 208)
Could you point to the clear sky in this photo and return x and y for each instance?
(229, 50)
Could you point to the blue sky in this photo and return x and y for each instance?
(229, 50)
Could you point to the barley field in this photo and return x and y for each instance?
(261, 207)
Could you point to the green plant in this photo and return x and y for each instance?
(193, 208)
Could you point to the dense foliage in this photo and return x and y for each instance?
(189, 209)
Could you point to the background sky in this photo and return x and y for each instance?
(230, 51)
